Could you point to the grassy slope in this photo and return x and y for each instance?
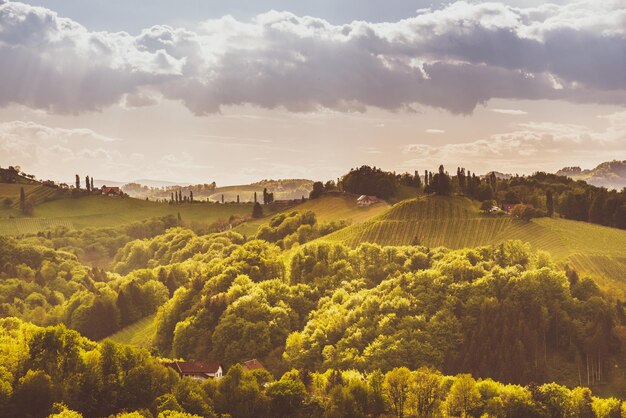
(138, 334)
(327, 209)
(102, 211)
(456, 222)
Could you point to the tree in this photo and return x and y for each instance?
(426, 390)
(463, 396)
(33, 396)
(549, 203)
(91, 185)
(286, 395)
(396, 387)
(318, 190)
(77, 181)
(596, 211)
(22, 199)
(87, 184)
(486, 205)
(257, 211)
(191, 196)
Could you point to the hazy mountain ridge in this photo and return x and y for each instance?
(609, 174)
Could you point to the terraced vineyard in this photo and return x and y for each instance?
(37, 194)
(20, 226)
(457, 222)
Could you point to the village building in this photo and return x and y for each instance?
(253, 364)
(111, 191)
(197, 369)
(365, 200)
(508, 206)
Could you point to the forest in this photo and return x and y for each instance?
(342, 331)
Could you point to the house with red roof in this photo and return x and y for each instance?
(111, 191)
(253, 364)
(197, 369)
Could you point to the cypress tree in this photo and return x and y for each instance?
(77, 181)
(87, 184)
(91, 185)
(22, 199)
(549, 203)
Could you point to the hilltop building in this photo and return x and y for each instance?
(365, 200)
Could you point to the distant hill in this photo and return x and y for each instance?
(143, 182)
(285, 189)
(499, 175)
(610, 174)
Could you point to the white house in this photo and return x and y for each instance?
(365, 200)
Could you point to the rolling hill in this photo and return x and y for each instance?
(327, 208)
(103, 211)
(457, 222)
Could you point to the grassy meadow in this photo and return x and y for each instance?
(102, 211)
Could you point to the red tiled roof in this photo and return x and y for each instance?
(191, 367)
(110, 189)
(253, 364)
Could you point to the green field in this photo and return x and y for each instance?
(103, 211)
(138, 334)
(457, 222)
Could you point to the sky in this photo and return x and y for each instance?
(234, 92)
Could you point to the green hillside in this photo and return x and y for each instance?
(139, 334)
(327, 208)
(457, 222)
(103, 211)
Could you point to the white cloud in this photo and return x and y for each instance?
(529, 147)
(452, 58)
(512, 112)
(435, 131)
(60, 153)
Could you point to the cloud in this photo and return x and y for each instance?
(453, 58)
(435, 131)
(61, 153)
(529, 146)
(512, 112)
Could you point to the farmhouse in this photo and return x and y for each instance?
(196, 369)
(508, 206)
(111, 191)
(365, 200)
(253, 364)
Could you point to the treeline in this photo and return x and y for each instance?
(56, 371)
(542, 194)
